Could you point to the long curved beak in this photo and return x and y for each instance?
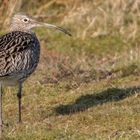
(57, 28)
(51, 26)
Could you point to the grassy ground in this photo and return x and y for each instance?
(108, 109)
(68, 98)
(86, 87)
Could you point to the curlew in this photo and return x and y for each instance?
(19, 54)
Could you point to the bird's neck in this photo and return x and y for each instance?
(27, 31)
(16, 28)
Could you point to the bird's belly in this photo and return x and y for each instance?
(9, 81)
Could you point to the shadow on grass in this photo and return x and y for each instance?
(87, 101)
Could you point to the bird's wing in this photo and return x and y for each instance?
(11, 46)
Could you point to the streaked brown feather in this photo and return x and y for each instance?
(19, 54)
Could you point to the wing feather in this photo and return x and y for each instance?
(14, 47)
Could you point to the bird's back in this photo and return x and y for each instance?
(19, 55)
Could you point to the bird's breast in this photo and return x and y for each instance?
(19, 56)
(30, 58)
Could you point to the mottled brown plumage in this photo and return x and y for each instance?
(19, 56)
(19, 53)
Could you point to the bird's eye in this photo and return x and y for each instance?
(26, 20)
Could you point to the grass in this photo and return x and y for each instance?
(108, 109)
(87, 86)
(75, 95)
(78, 92)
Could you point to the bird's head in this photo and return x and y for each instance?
(25, 23)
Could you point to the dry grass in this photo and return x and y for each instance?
(90, 18)
(87, 86)
(99, 18)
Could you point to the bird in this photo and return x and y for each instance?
(20, 53)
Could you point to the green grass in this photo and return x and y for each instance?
(108, 109)
(76, 108)
(84, 88)
(102, 105)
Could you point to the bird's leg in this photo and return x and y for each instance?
(19, 95)
(0, 110)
